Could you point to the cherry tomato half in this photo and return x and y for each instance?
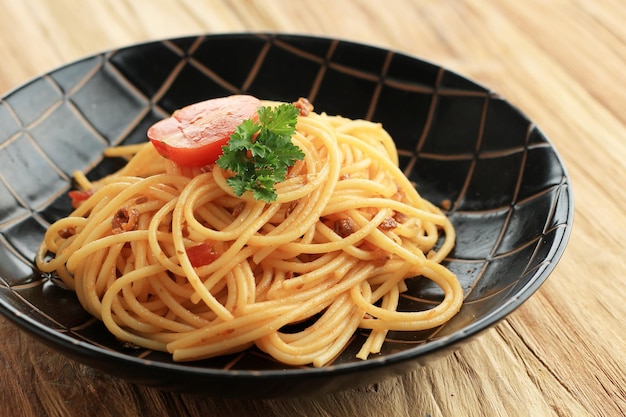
(195, 134)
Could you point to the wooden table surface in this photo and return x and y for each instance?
(563, 353)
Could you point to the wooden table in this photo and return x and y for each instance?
(563, 353)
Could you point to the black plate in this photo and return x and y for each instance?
(510, 195)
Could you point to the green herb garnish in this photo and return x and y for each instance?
(260, 153)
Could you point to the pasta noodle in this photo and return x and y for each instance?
(296, 278)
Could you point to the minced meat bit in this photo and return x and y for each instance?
(67, 232)
(344, 227)
(400, 217)
(304, 106)
(388, 224)
(124, 220)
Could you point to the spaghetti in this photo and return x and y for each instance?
(170, 259)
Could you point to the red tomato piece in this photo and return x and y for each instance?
(195, 134)
(202, 254)
(78, 196)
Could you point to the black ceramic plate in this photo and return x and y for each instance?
(511, 200)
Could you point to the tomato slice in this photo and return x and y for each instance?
(202, 254)
(195, 134)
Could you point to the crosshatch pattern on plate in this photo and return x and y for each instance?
(452, 135)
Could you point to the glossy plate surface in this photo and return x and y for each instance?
(510, 197)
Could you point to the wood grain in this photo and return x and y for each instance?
(563, 353)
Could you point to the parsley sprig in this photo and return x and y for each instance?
(260, 153)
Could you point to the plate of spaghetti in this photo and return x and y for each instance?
(300, 216)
